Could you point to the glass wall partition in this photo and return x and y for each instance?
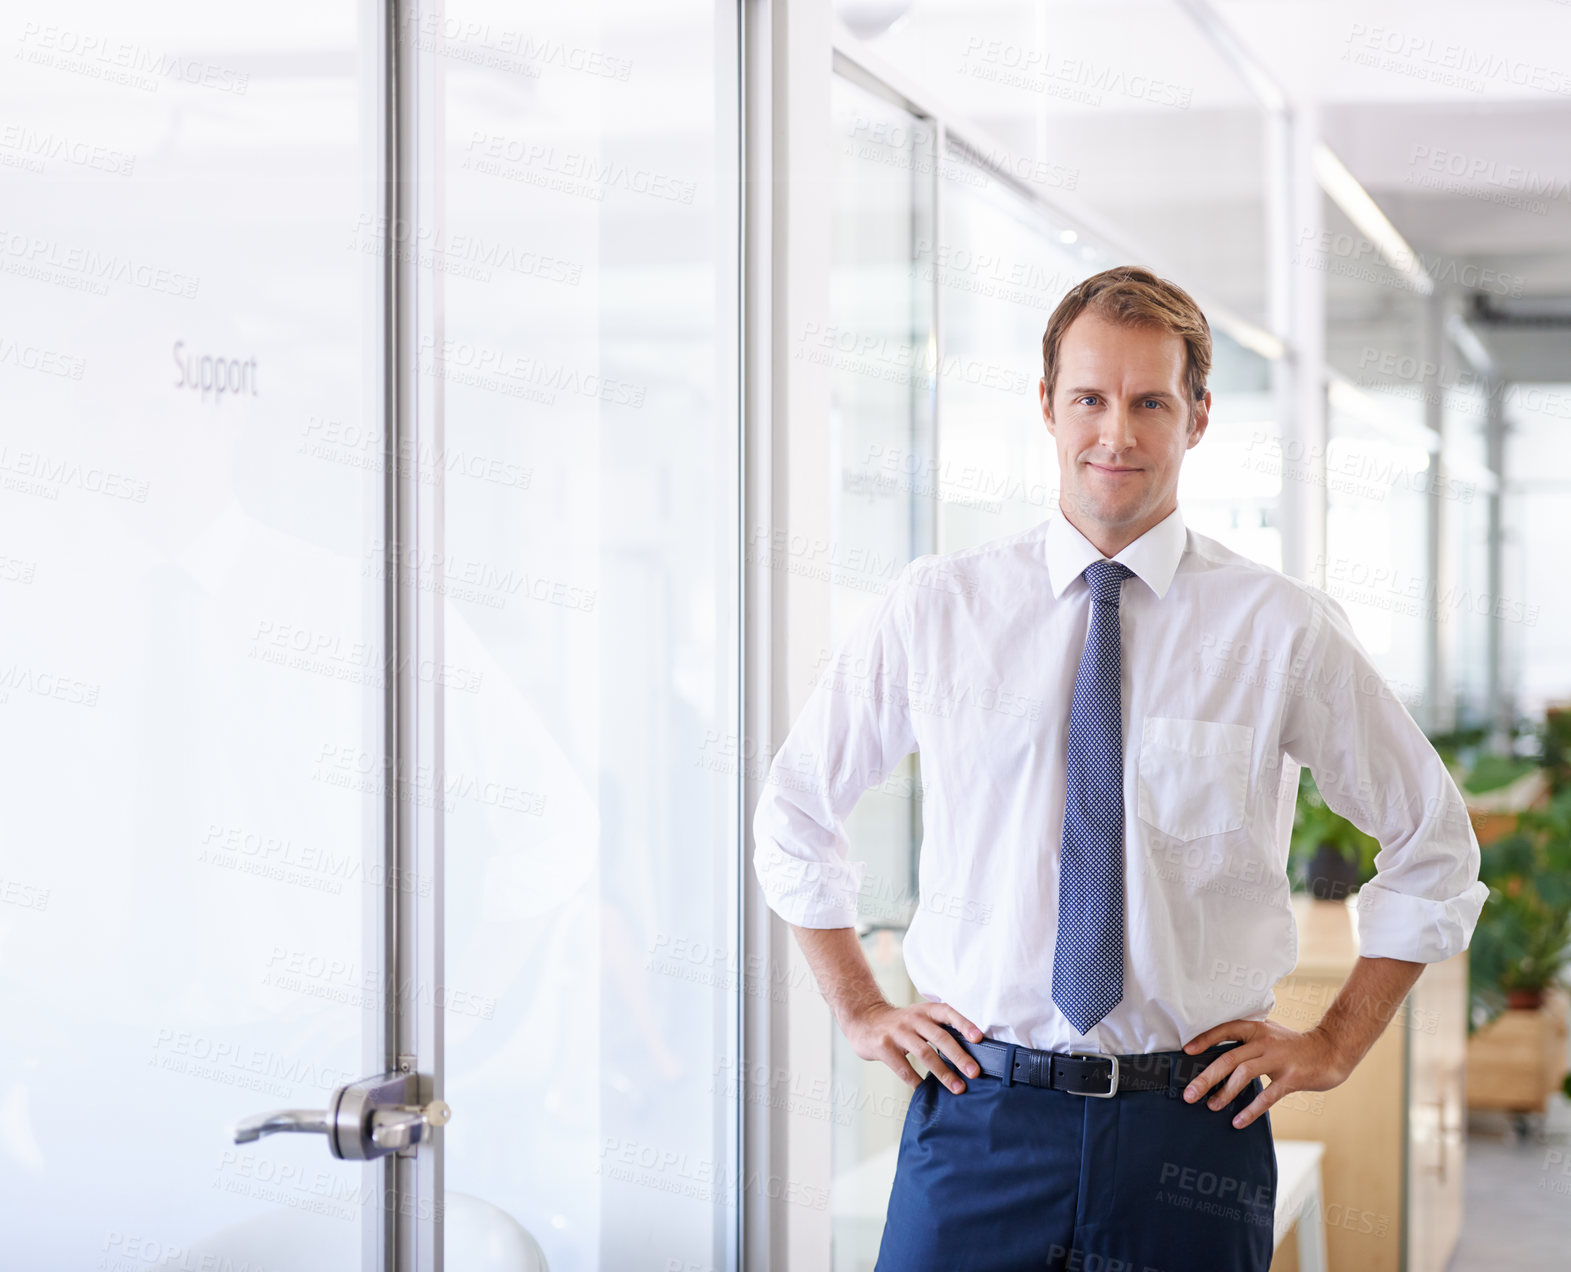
(884, 375)
(1534, 602)
(586, 371)
(878, 342)
(190, 447)
(1464, 582)
(1379, 466)
(196, 576)
(1377, 477)
(1230, 483)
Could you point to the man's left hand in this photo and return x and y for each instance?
(1293, 1061)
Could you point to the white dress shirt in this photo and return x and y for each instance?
(1234, 675)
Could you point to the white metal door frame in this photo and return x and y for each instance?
(405, 1233)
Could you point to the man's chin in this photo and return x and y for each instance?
(1108, 507)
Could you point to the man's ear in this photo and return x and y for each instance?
(1199, 418)
(1041, 395)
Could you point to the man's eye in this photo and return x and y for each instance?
(1156, 402)
(1085, 397)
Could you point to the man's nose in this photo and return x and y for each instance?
(1117, 433)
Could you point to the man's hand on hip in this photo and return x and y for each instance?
(1316, 1060)
(889, 1033)
(1293, 1061)
(876, 1029)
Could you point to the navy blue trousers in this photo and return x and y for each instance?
(1005, 1178)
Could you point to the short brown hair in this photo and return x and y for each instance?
(1133, 297)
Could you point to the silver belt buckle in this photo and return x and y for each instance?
(1112, 1089)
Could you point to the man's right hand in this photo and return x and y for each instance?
(875, 1027)
(889, 1033)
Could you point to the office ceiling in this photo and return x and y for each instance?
(1454, 116)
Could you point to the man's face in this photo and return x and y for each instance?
(1121, 421)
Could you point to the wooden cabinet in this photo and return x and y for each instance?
(1519, 1059)
(1437, 1113)
(1394, 1130)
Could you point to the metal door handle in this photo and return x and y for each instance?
(253, 1128)
(364, 1120)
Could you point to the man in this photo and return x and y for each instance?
(1118, 849)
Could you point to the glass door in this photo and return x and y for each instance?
(586, 242)
(192, 672)
(370, 552)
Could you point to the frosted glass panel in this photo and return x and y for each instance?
(191, 668)
(587, 378)
(885, 379)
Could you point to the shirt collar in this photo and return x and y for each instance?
(1153, 556)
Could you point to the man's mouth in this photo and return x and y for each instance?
(1111, 470)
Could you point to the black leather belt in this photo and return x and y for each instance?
(1093, 1073)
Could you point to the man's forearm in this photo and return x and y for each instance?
(1373, 994)
(841, 968)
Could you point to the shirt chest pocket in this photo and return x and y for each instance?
(1193, 775)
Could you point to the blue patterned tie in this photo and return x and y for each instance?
(1088, 961)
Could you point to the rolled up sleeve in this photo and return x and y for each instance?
(1373, 765)
(853, 731)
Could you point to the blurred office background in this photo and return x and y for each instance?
(721, 313)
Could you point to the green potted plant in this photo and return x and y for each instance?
(1522, 943)
(1554, 747)
(1519, 952)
